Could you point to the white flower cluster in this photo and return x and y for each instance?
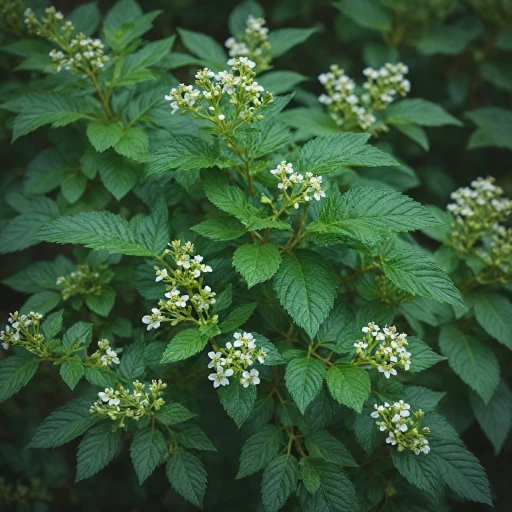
(235, 360)
(478, 211)
(79, 54)
(253, 44)
(232, 98)
(188, 274)
(82, 281)
(22, 330)
(309, 186)
(105, 354)
(350, 109)
(402, 428)
(383, 349)
(83, 55)
(121, 404)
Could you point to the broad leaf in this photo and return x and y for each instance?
(147, 452)
(184, 345)
(349, 385)
(257, 263)
(279, 481)
(304, 377)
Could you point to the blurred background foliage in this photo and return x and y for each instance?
(459, 53)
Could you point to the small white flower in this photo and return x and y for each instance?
(251, 377)
(220, 378)
(161, 274)
(215, 359)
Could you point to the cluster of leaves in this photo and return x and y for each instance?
(119, 177)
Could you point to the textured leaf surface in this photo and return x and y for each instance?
(418, 111)
(420, 470)
(187, 476)
(471, 359)
(349, 385)
(147, 452)
(171, 414)
(259, 450)
(304, 377)
(184, 345)
(306, 288)
(422, 356)
(15, 372)
(72, 371)
(220, 228)
(494, 313)
(279, 481)
(257, 263)
(98, 447)
(237, 401)
(325, 446)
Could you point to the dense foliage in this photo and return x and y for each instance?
(217, 292)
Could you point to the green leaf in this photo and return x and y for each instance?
(95, 230)
(15, 372)
(420, 470)
(325, 446)
(147, 452)
(422, 356)
(71, 371)
(333, 152)
(494, 313)
(55, 109)
(309, 474)
(257, 263)
(304, 377)
(79, 333)
(103, 135)
(460, 470)
(237, 401)
(191, 436)
(367, 434)
(349, 385)
(471, 359)
(239, 15)
(73, 186)
(285, 39)
(42, 302)
(131, 366)
(45, 172)
(279, 482)
(367, 14)
(421, 112)
(64, 424)
(118, 174)
(102, 304)
(415, 133)
(153, 231)
(237, 317)
(309, 122)
(366, 214)
(184, 345)
(100, 377)
(413, 271)
(98, 447)
(134, 144)
(220, 229)
(306, 288)
(279, 82)
(422, 398)
(493, 126)
(495, 418)
(273, 355)
(187, 476)
(52, 325)
(172, 414)
(85, 18)
(205, 47)
(185, 152)
(336, 492)
(259, 450)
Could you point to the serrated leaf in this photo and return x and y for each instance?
(134, 144)
(98, 447)
(333, 152)
(421, 112)
(279, 481)
(220, 229)
(118, 174)
(349, 385)
(237, 317)
(495, 418)
(420, 470)
(309, 474)
(460, 470)
(184, 345)
(306, 288)
(367, 13)
(103, 135)
(258, 450)
(187, 476)
(238, 401)
(304, 377)
(64, 424)
(336, 492)
(325, 446)
(42, 302)
(131, 366)
(186, 152)
(367, 214)
(273, 355)
(172, 414)
(147, 452)
(422, 356)
(422, 398)
(79, 333)
(100, 377)
(102, 304)
(205, 47)
(52, 325)
(15, 372)
(412, 271)
(72, 371)
(494, 314)
(282, 40)
(153, 231)
(191, 436)
(257, 263)
(471, 359)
